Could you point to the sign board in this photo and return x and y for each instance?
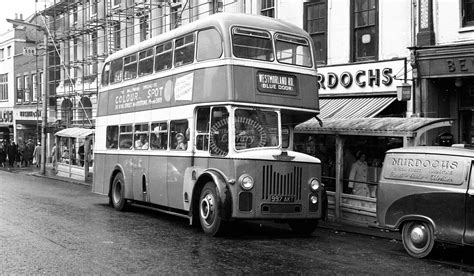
(29, 51)
(274, 83)
(361, 78)
(404, 92)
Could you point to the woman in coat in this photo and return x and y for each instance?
(358, 176)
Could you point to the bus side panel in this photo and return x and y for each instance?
(126, 162)
(211, 83)
(100, 183)
(139, 174)
(175, 174)
(157, 188)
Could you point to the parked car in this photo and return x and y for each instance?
(427, 193)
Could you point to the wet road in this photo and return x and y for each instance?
(54, 227)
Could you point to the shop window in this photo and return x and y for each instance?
(364, 30)
(316, 24)
(267, 8)
(144, 27)
(3, 87)
(467, 13)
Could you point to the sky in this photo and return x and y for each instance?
(10, 7)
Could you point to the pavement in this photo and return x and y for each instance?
(331, 225)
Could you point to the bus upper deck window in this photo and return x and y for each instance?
(184, 50)
(164, 56)
(293, 50)
(106, 74)
(145, 62)
(130, 67)
(252, 44)
(116, 70)
(209, 44)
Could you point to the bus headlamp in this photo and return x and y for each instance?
(314, 184)
(246, 182)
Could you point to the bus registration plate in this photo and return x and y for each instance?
(275, 198)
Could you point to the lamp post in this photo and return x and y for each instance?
(44, 106)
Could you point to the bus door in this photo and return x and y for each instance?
(178, 160)
(157, 166)
(469, 214)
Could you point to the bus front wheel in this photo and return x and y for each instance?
(304, 227)
(418, 238)
(118, 193)
(209, 212)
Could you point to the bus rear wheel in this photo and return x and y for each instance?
(303, 227)
(418, 238)
(118, 193)
(209, 212)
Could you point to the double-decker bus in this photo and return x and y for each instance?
(197, 122)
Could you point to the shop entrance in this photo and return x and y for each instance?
(466, 118)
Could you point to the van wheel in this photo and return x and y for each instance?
(303, 227)
(418, 238)
(209, 212)
(118, 193)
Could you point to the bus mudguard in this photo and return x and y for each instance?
(222, 188)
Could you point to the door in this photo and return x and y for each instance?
(469, 228)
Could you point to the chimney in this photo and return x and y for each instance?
(21, 16)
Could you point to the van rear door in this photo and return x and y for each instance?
(469, 227)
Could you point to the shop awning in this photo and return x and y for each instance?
(391, 127)
(75, 132)
(355, 107)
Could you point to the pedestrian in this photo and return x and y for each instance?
(54, 157)
(358, 176)
(37, 155)
(28, 153)
(3, 155)
(12, 152)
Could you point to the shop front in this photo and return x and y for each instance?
(446, 87)
(27, 123)
(6, 125)
(363, 114)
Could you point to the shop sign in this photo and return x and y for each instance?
(404, 92)
(27, 114)
(383, 76)
(269, 82)
(447, 67)
(6, 116)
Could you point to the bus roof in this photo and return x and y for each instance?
(222, 21)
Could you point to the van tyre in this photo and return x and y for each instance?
(303, 227)
(418, 238)
(118, 193)
(210, 216)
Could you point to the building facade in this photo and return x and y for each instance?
(21, 77)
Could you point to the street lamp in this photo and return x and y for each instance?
(44, 105)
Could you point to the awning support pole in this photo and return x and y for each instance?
(339, 166)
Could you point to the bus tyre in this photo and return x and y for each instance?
(303, 227)
(418, 238)
(209, 212)
(118, 199)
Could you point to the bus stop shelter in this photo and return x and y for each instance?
(74, 153)
(349, 207)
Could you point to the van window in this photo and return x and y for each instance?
(209, 45)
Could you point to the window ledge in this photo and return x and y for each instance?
(466, 29)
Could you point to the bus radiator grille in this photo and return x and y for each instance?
(277, 184)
